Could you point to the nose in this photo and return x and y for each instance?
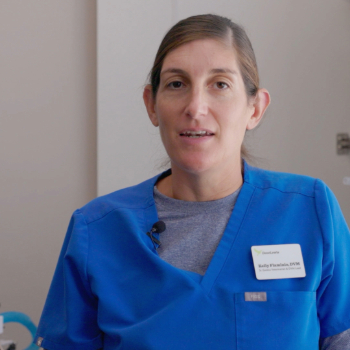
(197, 104)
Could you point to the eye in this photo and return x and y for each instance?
(221, 85)
(175, 85)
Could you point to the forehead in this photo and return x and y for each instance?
(202, 54)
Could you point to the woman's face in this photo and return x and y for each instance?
(201, 107)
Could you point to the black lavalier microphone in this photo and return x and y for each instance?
(158, 227)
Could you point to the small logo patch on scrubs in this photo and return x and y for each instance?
(278, 261)
(39, 341)
(255, 296)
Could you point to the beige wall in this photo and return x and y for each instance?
(47, 141)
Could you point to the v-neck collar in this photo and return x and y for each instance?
(227, 241)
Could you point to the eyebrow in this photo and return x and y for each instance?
(174, 70)
(223, 70)
(213, 71)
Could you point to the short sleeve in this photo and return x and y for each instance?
(333, 293)
(69, 317)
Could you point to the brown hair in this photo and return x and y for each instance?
(214, 27)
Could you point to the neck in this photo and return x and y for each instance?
(204, 186)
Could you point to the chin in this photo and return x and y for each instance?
(194, 165)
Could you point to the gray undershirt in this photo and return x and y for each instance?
(193, 232)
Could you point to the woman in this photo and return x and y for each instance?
(250, 259)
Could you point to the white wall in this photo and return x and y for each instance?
(47, 142)
(303, 53)
(129, 33)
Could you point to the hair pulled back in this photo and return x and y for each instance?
(209, 27)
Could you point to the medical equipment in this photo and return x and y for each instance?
(21, 318)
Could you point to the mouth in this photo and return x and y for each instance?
(196, 133)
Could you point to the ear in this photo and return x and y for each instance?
(150, 104)
(260, 104)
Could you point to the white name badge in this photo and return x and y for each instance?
(278, 261)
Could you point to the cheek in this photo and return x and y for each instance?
(165, 126)
(234, 122)
(166, 115)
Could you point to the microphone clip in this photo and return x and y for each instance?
(157, 228)
(154, 240)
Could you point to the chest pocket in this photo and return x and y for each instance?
(276, 320)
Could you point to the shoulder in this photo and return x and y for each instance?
(282, 182)
(135, 197)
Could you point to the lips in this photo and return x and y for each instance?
(196, 133)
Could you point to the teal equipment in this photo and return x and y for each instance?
(19, 317)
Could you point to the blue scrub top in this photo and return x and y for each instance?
(111, 290)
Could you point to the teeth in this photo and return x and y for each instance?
(196, 133)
